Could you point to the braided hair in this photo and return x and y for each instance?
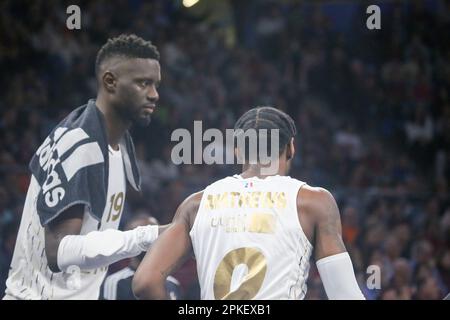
(267, 118)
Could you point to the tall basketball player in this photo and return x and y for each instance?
(68, 233)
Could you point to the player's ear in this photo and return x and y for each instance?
(290, 150)
(109, 81)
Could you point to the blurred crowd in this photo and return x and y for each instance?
(372, 108)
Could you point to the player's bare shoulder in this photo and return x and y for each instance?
(312, 199)
(187, 211)
(315, 204)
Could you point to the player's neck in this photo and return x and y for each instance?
(115, 126)
(260, 171)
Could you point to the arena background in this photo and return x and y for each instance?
(372, 108)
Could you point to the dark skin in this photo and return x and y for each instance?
(127, 95)
(318, 215)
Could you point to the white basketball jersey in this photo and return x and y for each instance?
(30, 277)
(248, 241)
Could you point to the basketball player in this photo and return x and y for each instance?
(252, 234)
(68, 233)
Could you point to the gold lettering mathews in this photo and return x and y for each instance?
(246, 200)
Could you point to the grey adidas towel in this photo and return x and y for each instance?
(71, 166)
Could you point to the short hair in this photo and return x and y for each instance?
(265, 117)
(127, 46)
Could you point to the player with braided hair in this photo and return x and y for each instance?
(252, 234)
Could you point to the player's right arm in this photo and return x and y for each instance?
(65, 247)
(167, 253)
(68, 223)
(322, 223)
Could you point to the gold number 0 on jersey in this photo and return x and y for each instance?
(252, 282)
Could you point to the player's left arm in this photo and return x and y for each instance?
(332, 259)
(167, 253)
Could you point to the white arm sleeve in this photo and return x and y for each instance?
(102, 248)
(338, 277)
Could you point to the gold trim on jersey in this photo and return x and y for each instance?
(257, 266)
(255, 222)
(262, 223)
(246, 200)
